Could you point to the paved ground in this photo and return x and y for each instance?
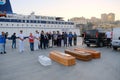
(25, 66)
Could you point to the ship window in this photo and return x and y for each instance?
(59, 22)
(34, 21)
(52, 22)
(1, 20)
(31, 21)
(43, 22)
(43, 17)
(12, 24)
(23, 21)
(17, 24)
(14, 20)
(71, 23)
(62, 22)
(66, 23)
(37, 17)
(6, 24)
(27, 21)
(38, 21)
(31, 25)
(48, 22)
(19, 20)
(1, 24)
(7, 20)
(56, 22)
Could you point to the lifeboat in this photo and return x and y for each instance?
(2, 15)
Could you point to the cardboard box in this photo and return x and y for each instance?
(79, 55)
(62, 58)
(95, 54)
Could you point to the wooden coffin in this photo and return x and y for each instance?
(95, 54)
(79, 54)
(62, 58)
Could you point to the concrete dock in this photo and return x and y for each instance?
(25, 66)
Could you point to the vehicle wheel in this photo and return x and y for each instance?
(101, 44)
(115, 48)
(88, 45)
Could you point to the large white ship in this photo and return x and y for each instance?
(11, 22)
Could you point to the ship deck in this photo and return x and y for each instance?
(25, 66)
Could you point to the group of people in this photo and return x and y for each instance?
(40, 40)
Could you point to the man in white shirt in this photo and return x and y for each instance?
(37, 42)
(21, 41)
(108, 36)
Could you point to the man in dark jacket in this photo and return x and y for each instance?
(70, 37)
(75, 38)
(13, 37)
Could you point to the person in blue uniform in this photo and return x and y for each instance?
(70, 37)
(2, 43)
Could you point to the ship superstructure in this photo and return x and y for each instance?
(11, 22)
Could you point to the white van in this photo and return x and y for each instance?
(116, 38)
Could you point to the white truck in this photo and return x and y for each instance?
(116, 38)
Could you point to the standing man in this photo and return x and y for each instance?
(21, 41)
(37, 42)
(50, 39)
(65, 39)
(31, 41)
(54, 38)
(13, 37)
(70, 36)
(59, 38)
(108, 36)
(2, 43)
(75, 38)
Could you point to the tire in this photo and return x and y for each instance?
(88, 45)
(115, 48)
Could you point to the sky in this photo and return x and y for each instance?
(67, 8)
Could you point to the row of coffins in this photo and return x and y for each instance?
(69, 57)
